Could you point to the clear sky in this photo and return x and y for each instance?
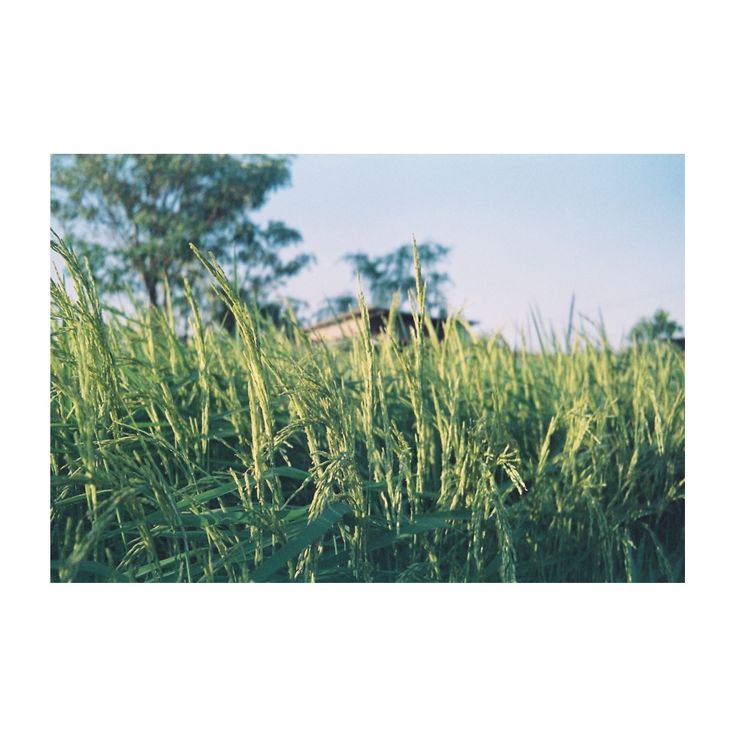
(524, 230)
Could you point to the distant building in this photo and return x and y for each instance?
(348, 324)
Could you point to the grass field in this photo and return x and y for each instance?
(264, 457)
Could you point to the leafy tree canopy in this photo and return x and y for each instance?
(393, 273)
(134, 216)
(657, 327)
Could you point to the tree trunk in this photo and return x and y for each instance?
(151, 287)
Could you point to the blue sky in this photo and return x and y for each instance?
(531, 229)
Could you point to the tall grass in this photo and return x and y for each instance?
(265, 457)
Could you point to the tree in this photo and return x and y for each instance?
(394, 272)
(134, 216)
(657, 327)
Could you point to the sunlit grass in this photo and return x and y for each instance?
(264, 457)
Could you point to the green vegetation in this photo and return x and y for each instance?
(133, 216)
(260, 456)
(393, 273)
(657, 327)
(391, 276)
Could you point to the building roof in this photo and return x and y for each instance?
(372, 312)
(351, 314)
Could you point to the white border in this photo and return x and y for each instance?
(645, 77)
